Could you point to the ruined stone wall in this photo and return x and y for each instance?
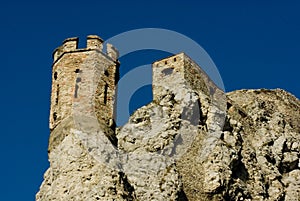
(185, 70)
(165, 72)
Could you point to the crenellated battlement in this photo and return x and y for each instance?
(93, 42)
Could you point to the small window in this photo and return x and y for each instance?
(105, 94)
(57, 94)
(55, 76)
(54, 116)
(106, 73)
(166, 62)
(76, 91)
(174, 59)
(57, 89)
(211, 90)
(77, 70)
(167, 71)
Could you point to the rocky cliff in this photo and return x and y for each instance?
(189, 143)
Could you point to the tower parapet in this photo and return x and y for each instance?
(94, 42)
(112, 52)
(70, 44)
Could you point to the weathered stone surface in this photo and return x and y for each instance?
(192, 142)
(75, 175)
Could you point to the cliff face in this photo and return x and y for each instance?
(255, 157)
(267, 145)
(190, 143)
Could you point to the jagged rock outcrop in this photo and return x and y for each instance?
(255, 157)
(267, 166)
(192, 142)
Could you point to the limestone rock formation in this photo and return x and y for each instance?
(192, 142)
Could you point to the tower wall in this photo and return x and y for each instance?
(83, 81)
(166, 73)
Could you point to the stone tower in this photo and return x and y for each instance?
(82, 129)
(182, 69)
(84, 79)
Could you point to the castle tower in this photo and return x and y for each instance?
(84, 79)
(177, 75)
(184, 70)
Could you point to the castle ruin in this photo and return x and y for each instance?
(192, 142)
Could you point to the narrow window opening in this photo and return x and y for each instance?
(54, 116)
(78, 79)
(212, 90)
(57, 94)
(77, 70)
(55, 76)
(76, 91)
(105, 94)
(106, 73)
(175, 59)
(166, 62)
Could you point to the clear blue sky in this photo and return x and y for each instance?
(254, 44)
